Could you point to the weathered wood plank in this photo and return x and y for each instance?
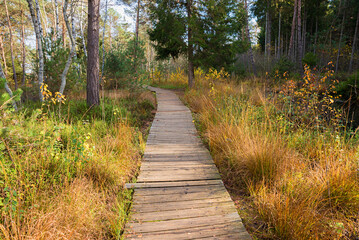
(185, 213)
(207, 232)
(147, 227)
(174, 190)
(180, 196)
(199, 167)
(172, 174)
(179, 206)
(193, 164)
(172, 177)
(172, 184)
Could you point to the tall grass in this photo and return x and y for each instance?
(289, 152)
(62, 171)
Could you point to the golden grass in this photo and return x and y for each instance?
(303, 184)
(65, 181)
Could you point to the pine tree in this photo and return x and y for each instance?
(208, 32)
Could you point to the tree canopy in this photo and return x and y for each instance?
(216, 28)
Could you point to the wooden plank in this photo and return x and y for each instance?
(179, 206)
(190, 157)
(172, 173)
(206, 232)
(194, 159)
(181, 196)
(185, 213)
(173, 184)
(243, 235)
(193, 164)
(148, 227)
(198, 167)
(173, 190)
(172, 177)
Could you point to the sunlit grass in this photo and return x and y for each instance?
(302, 175)
(62, 171)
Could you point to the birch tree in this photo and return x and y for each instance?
(72, 50)
(23, 48)
(3, 52)
(7, 88)
(57, 23)
(38, 30)
(82, 29)
(11, 45)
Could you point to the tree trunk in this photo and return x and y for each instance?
(291, 41)
(3, 54)
(286, 45)
(250, 51)
(269, 29)
(136, 34)
(7, 88)
(353, 44)
(37, 27)
(190, 46)
(103, 43)
(340, 43)
(299, 38)
(23, 49)
(266, 37)
(138, 19)
(72, 51)
(93, 86)
(279, 29)
(304, 31)
(11, 45)
(267, 51)
(63, 31)
(44, 17)
(316, 35)
(57, 20)
(82, 31)
(38, 15)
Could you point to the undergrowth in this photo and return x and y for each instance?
(63, 166)
(287, 149)
(174, 80)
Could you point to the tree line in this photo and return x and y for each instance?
(209, 34)
(326, 30)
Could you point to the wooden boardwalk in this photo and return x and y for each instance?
(179, 193)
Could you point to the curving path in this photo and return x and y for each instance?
(179, 193)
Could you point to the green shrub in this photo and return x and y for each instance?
(349, 86)
(284, 65)
(125, 68)
(310, 59)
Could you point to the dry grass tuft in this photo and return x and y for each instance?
(63, 180)
(302, 179)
